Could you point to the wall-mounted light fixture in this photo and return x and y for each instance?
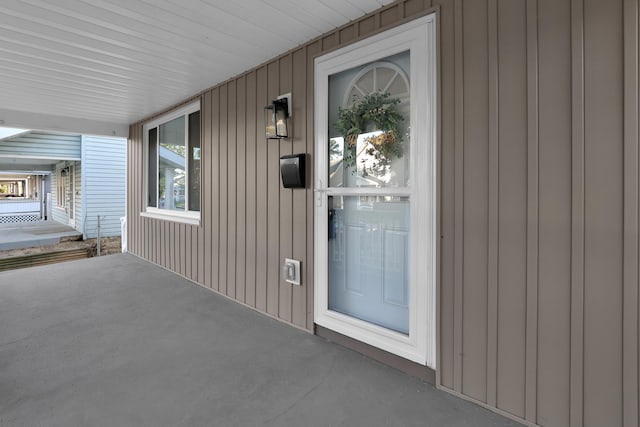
(275, 118)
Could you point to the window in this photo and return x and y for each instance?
(172, 146)
(12, 188)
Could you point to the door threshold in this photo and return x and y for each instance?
(423, 373)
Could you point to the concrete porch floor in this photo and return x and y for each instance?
(116, 341)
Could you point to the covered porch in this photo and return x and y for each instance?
(119, 341)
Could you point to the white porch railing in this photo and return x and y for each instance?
(19, 206)
(17, 211)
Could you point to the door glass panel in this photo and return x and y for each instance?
(369, 259)
(369, 124)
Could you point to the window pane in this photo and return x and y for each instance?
(171, 175)
(194, 161)
(369, 124)
(153, 166)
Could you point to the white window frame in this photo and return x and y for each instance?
(186, 216)
(419, 37)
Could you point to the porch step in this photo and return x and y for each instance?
(51, 254)
(71, 238)
(25, 235)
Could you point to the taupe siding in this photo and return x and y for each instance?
(300, 212)
(273, 212)
(554, 213)
(261, 199)
(511, 205)
(603, 154)
(539, 204)
(286, 200)
(475, 250)
(539, 208)
(631, 330)
(251, 194)
(449, 156)
(576, 361)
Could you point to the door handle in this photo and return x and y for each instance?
(320, 192)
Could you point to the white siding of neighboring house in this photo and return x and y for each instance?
(42, 145)
(104, 181)
(99, 176)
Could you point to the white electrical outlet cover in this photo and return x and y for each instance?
(295, 280)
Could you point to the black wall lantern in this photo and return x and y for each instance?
(275, 118)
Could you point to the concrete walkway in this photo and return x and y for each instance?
(29, 234)
(116, 341)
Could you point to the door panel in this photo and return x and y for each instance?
(368, 255)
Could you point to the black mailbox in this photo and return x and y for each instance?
(292, 170)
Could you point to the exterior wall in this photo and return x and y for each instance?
(103, 184)
(539, 208)
(42, 145)
(99, 175)
(539, 185)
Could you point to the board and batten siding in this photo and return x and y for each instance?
(539, 198)
(42, 145)
(103, 184)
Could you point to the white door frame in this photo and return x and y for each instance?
(419, 37)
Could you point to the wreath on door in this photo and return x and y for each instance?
(376, 111)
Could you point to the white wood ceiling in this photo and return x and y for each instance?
(113, 62)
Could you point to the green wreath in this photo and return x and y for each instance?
(376, 111)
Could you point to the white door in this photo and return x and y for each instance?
(70, 195)
(375, 191)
